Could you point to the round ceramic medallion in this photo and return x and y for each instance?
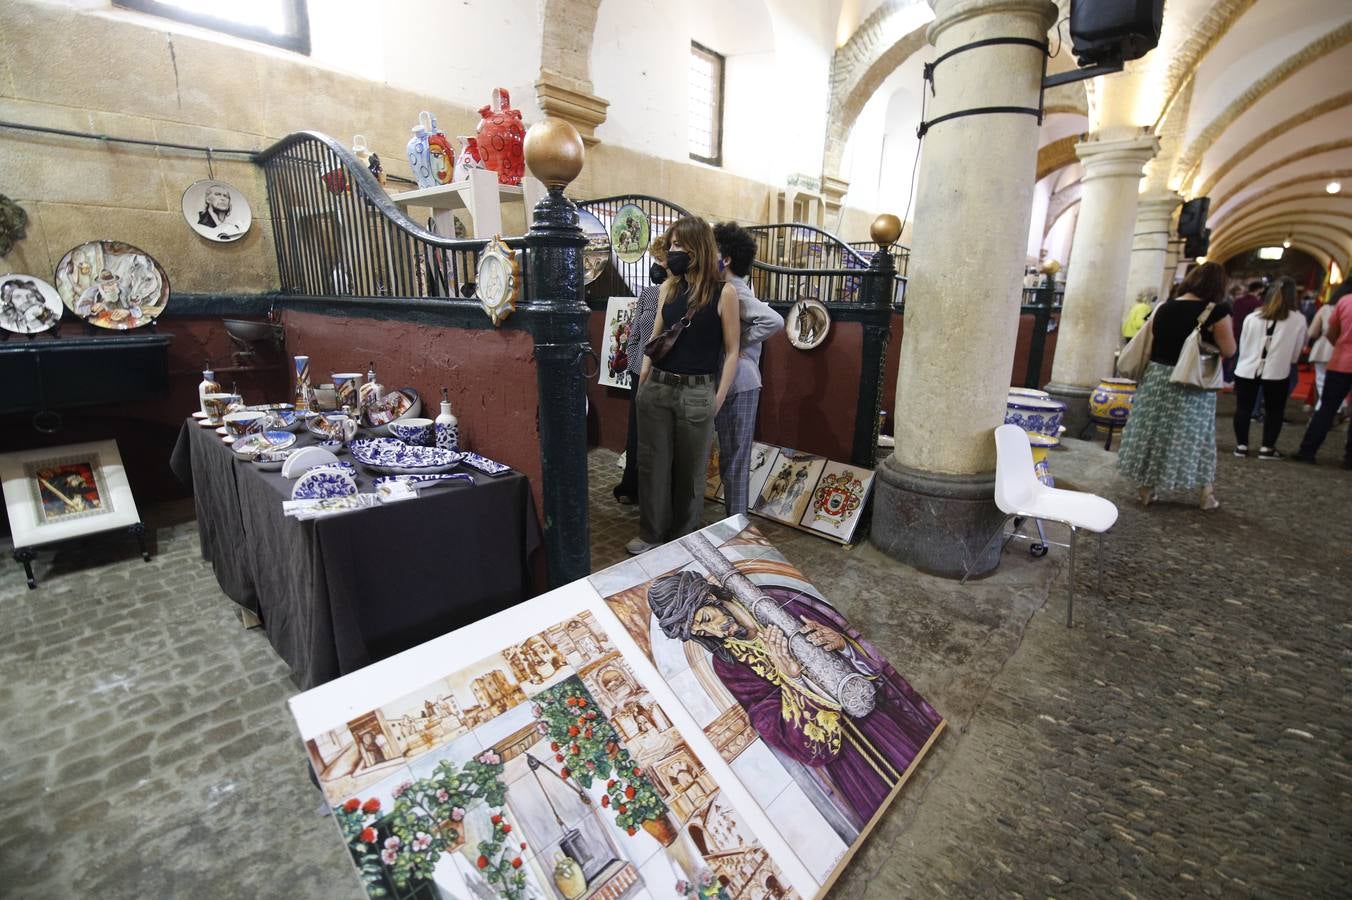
(112, 285)
(630, 233)
(28, 305)
(597, 252)
(498, 280)
(807, 324)
(217, 211)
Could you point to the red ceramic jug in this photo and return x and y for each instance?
(501, 134)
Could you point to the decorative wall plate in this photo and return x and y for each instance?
(249, 445)
(28, 305)
(596, 254)
(498, 280)
(392, 457)
(484, 464)
(630, 233)
(807, 324)
(217, 211)
(322, 483)
(112, 285)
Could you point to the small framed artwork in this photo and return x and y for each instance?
(614, 357)
(838, 501)
(57, 493)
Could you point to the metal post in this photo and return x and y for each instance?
(876, 301)
(556, 291)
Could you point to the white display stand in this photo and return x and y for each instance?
(480, 195)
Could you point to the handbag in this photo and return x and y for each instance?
(1134, 357)
(1199, 363)
(661, 344)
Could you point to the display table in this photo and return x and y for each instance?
(339, 592)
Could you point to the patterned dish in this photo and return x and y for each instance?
(270, 460)
(391, 457)
(484, 464)
(421, 481)
(251, 444)
(322, 483)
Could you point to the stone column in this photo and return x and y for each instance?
(1150, 245)
(1091, 316)
(1171, 258)
(933, 504)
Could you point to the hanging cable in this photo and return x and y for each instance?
(113, 139)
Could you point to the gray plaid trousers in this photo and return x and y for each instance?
(736, 427)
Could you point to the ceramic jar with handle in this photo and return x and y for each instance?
(501, 137)
(419, 154)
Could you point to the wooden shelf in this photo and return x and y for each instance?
(480, 195)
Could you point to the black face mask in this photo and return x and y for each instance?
(678, 261)
(657, 273)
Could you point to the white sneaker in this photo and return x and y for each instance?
(638, 546)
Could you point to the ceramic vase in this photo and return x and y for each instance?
(1035, 415)
(448, 426)
(419, 154)
(1040, 444)
(209, 385)
(1111, 401)
(442, 155)
(468, 158)
(568, 877)
(501, 136)
(303, 393)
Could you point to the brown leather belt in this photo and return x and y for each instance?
(679, 380)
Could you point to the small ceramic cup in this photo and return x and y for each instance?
(244, 422)
(345, 386)
(339, 427)
(217, 405)
(421, 432)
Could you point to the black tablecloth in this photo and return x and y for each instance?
(339, 592)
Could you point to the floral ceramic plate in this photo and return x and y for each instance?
(391, 457)
(421, 481)
(251, 444)
(322, 483)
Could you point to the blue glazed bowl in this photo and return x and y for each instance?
(419, 432)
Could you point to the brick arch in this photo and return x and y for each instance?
(1056, 155)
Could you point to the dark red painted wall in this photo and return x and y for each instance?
(608, 407)
(490, 375)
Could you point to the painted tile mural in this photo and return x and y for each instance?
(695, 722)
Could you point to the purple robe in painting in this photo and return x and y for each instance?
(875, 751)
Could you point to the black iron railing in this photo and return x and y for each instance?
(900, 253)
(795, 261)
(339, 235)
(661, 215)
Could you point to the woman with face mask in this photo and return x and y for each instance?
(683, 384)
(645, 313)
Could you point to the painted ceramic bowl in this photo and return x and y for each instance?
(421, 432)
(245, 422)
(217, 405)
(271, 460)
(251, 445)
(1035, 415)
(394, 405)
(1111, 401)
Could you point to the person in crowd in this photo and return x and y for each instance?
(1321, 348)
(645, 313)
(1269, 346)
(1308, 306)
(1136, 316)
(1170, 439)
(1228, 364)
(736, 421)
(1337, 382)
(683, 388)
(1241, 308)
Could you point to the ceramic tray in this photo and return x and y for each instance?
(485, 465)
(391, 457)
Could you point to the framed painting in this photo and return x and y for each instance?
(838, 501)
(608, 739)
(56, 493)
(614, 359)
(787, 490)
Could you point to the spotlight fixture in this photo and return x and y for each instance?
(1333, 187)
(1287, 243)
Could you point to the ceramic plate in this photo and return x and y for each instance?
(322, 483)
(807, 323)
(420, 481)
(392, 457)
(485, 465)
(217, 211)
(210, 423)
(200, 415)
(28, 305)
(265, 440)
(112, 285)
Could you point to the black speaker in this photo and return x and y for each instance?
(1192, 217)
(1107, 32)
(1197, 245)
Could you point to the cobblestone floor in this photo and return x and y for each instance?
(1188, 737)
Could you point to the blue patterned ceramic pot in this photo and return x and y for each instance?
(419, 432)
(1035, 415)
(1111, 401)
(1027, 392)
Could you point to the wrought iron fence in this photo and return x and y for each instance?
(660, 215)
(795, 261)
(901, 254)
(339, 235)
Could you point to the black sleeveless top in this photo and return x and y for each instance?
(699, 347)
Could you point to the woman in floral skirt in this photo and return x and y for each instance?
(1170, 440)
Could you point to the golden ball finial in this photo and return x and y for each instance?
(886, 229)
(554, 152)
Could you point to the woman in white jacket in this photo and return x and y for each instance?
(1269, 346)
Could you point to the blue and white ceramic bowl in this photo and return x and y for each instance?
(392, 457)
(419, 432)
(322, 483)
(1036, 415)
(253, 444)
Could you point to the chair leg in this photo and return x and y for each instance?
(1100, 563)
(1070, 582)
(999, 531)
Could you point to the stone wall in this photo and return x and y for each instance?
(57, 69)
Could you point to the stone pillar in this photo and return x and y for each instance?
(1091, 316)
(933, 504)
(1150, 245)
(1171, 258)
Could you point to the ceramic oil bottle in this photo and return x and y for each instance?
(448, 426)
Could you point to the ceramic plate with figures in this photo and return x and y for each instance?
(596, 254)
(630, 233)
(28, 305)
(217, 211)
(112, 285)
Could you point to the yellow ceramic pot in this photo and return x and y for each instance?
(1110, 402)
(1040, 444)
(568, 877)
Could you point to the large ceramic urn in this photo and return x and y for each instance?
(500, 138)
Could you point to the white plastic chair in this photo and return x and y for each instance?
(1019, 494)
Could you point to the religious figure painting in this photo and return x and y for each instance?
(69, 489)
(614, 359)
(788, 488)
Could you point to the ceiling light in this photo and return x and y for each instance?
(1199, 260)
(1333, 187)
(1287, 243)
(1270, 252)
